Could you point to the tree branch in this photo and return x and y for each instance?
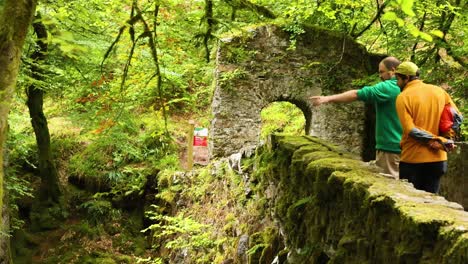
(445, 24)
(380, 11)
(131, 22)
(209, 22)
(245, 4)
(152, 38)
(421, 27)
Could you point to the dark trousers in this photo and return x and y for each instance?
(424, 176)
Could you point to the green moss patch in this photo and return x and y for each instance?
(332, 206)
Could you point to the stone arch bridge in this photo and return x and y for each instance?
(262, 66)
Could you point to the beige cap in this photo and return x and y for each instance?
(407, 68)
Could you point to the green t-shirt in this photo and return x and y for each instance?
(388, 129)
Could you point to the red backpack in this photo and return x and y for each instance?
(450, 122)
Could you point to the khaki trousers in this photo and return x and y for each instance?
(389, 162)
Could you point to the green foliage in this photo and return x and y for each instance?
(238, 55)
(150, 260)
(295, 29)
(106, 159)
(227, 78)
(21, 144)
(282, 117)
(120, 136)
(261, 243)
(99, 211)
(16, 189)
(455, 83)
(47, 216)
(64, 146)
(369, 80)
(212, 209)
(180, 232)
(407, 15)
(20, 154)
(236, 74)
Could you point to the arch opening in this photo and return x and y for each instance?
(283, 117)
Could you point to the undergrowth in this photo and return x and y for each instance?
(202, 214)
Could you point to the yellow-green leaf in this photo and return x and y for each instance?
(425, 36)
(66, 35)
(400, 22)
(414, 31)
(437, 33)
(391, 16)
(407, 7)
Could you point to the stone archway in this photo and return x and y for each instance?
(260, 67)
(283, 117)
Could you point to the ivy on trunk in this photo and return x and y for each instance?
(14, 20)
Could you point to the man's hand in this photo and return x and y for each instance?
(449, 146)
(437, 144)
(346, 97)
(318, 100)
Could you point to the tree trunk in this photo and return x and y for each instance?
(49, 177)
(14, 22)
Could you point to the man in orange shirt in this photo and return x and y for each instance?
(419, 107)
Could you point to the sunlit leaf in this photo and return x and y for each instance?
(437, 33)
(390, 16)
(400, 22)
(425, 36)
(414, 31)
(407, 7)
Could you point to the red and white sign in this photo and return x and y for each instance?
(200, 137)
(200, 141)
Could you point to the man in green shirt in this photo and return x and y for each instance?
(388, 128)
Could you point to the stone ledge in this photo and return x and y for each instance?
(331, 205)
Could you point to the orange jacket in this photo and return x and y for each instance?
(419, 107)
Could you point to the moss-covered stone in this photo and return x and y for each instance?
(331, 207)
(264, 245)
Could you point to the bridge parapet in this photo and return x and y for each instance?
(332, 206)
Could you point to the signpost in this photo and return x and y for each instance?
(190, 145)
(197, 139)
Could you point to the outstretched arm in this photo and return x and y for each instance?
(348, 96)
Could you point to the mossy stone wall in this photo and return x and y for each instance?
(454, 184)
(333, 208)
(261, 66)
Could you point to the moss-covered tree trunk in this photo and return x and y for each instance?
(14, 22)
(48, 172)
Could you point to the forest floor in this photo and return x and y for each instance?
(93, 230)
(87, 229)
(84, 237)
